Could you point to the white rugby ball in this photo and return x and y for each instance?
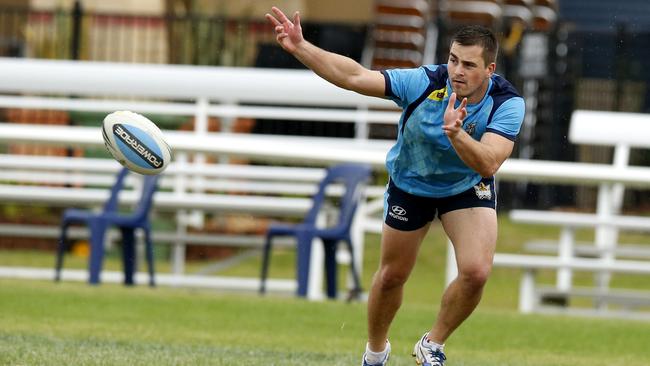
(136, 142)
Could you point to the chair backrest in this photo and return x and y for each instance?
(149, 186)
(351, 176)
(113, 200)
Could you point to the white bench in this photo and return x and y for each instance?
(531, 295)
(569, 222)
(198, 92)
(596, 128)
(226, 93)
(588, 249)
(269, 190)
(586, 128)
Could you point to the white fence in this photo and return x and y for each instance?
(604, 255)
(198, 92)
(226, 93)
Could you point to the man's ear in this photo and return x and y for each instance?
(491, 68)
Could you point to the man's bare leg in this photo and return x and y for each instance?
(398, 253)
(473, 232)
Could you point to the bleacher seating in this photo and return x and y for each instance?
(406, 33)
(400, 33)
(536, 15)
(485, 12)
(518, 11)
(544, 15)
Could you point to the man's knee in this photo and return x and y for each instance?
(475, 275)
(391, 277)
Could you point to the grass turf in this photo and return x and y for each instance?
(75, 324)
(42, 323)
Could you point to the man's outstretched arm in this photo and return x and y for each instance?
(337, 69)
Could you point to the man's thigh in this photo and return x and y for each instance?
(399, 249)
(473, 232)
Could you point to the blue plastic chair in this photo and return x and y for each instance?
(99, 222)
(351, 176)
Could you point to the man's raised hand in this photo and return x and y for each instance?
(454, 116)
(287, 33)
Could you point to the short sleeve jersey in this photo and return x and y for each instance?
(422, 161)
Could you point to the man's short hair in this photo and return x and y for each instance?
(477, 35)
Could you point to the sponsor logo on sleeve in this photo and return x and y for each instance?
(438, 95)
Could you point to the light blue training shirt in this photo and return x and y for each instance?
(423, 162)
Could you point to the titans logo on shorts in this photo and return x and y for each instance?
(404, 211)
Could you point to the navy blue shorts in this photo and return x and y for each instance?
(406, 212)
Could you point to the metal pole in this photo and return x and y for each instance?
(75, 42)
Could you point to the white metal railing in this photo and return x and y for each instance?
(223, 92)
(198, 92)
(230, 93)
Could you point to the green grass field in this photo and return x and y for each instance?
(43, 323)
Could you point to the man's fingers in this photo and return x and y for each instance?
(272, 19)
(463, 104)
(457, 124)
(296, 19)
(452, 101)
(454, 127)
(281, 17)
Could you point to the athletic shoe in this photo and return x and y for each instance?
(428, 356)
(382, 363)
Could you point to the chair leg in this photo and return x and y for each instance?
(149, 254)
(356, 291)
(60, 251)
(303, 258)
(330, 267)
(128, 254)
(266, 258)
(97, 233)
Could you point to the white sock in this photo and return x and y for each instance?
(431, 344)
(375, 357)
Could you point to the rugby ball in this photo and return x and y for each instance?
(136, 142)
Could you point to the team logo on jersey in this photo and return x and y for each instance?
(483, 191)
(470, 127)
(438, 95)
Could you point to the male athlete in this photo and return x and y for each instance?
(458, 126)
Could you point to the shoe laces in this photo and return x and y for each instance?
(436, 357)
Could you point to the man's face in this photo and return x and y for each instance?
(468, 73)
